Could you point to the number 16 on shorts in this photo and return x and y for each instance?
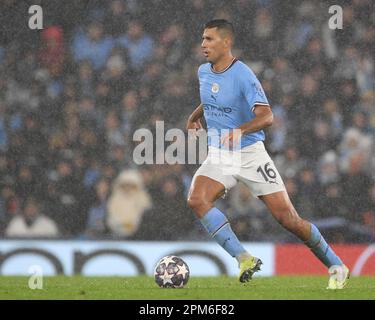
(268, 172)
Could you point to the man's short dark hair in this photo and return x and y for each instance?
(222, 25)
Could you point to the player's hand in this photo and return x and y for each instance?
(232, 138)
(193, 126)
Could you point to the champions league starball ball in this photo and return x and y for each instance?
(171, 272)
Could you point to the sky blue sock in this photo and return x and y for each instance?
(217, 225)
(321, 248)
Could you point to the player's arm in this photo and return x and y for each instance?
(263, 119)
(194, 119)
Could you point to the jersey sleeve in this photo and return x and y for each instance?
(199, 71)
(253, 91)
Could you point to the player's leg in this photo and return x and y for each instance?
(284, 212)
(203, 193)
(264, 181)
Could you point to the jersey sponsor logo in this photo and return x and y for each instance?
(216, 111)
(215, 88)
(210, 107)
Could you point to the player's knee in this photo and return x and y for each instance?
(195, 202)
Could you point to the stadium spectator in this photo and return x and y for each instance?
(289, 162)
(32, 223)
(92, 44)
(248, 214)
(169, 215)
(70, 198)
(308, 191)
(334, 118)
(354, 182)
(96, 222)
(327, 169)
(86, 79)
(353, 144)
(333, 204)
(138, 44)
(52, 51)
(127, 204)
(117, 76)
(117, 17)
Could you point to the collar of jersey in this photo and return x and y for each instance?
(230, 65)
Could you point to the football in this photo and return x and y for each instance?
(171, 272)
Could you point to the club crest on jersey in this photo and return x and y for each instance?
(215, 88)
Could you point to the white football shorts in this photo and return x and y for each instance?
(251, 165)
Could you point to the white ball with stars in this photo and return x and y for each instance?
(171, 272)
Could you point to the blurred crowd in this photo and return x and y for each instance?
(72, 95)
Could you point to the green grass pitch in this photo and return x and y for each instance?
(215, 288)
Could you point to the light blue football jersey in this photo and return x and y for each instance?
(228, 98)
